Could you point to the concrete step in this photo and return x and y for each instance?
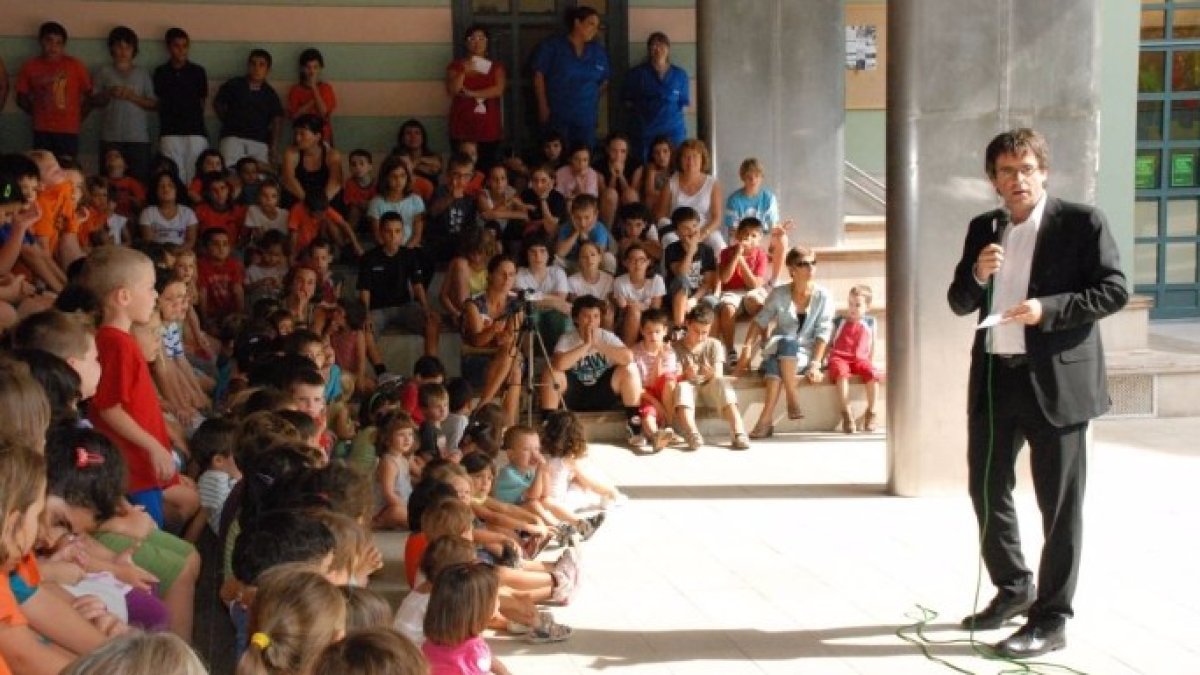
(865, 230)
(819, 403)
(389, 581)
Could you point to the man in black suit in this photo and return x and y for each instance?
(1037, 376)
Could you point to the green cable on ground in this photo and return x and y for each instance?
(982, 649)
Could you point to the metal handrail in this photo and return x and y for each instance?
(876, 183)
(867, 193)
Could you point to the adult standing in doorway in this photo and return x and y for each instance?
(570, 74)
(181, 88)
(476, 86)
(656, 92)
(1038, 376)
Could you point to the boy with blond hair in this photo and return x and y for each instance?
(126, 408)
(850, 353)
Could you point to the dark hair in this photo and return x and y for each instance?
(749, 223)
(654, 315)
(272, 238)
(390, 217)
(310, 377)
(297, 340)
(474, 462)
(425, 493)
(279, 537)
(428, 366)
(498, 260)
(563, 435)
(359, 152)
(181, 195)
(215, 437)
(701, 313)
(683, 214)
(261, 54)
(57, 378)
(262, 470)
(413, 123)
(52, 28)
(1017, 142)
(123, 34)
(476, 28)
(633, 211)
(84, 469)
(310, 54)
(657, 36)
(311, 122)
(460, 160)
(176, 33)
(356, 313)
(578, 14)
(205, 154)
(337, 487)
(460, 392)
(390, 164)
(586, 302)
(584, 201)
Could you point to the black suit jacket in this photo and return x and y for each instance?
(1077, 278)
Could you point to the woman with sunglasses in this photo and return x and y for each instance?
(803, 316)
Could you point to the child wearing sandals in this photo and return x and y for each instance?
(522, 482)
(659, 370)
(702, 361)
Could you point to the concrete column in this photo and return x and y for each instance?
(772, 87)
(960, 71)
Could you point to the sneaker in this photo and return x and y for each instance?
(547, 630)
(564, 586)
(637, 441)
(695, 441)
(568, 564)
(515, 628)
(740, 442)
(564, 534)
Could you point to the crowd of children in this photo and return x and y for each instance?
(209, 375)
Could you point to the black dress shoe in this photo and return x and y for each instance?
(1033, 639)
(1003, 607)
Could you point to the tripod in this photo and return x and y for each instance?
(527, 338)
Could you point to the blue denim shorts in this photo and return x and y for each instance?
(785, 348)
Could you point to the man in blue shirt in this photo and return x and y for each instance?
(570, 73)
(657, 92)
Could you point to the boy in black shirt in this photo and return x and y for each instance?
(391, 283)
(691, 266)
(451, 212)
(251, 113)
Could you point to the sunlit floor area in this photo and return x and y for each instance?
(791, 558)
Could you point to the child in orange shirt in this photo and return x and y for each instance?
(219, 209)
(315, 218)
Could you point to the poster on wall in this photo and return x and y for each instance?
(861, 49)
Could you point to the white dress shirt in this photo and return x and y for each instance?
(1012, 280)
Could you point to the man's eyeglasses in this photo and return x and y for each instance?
(1011, 172)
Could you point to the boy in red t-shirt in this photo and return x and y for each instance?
(742, 269)
(131, 194)
(126, 407)
(850, 352)
(52, 88)
(220, 278)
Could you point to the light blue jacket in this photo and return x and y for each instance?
(818, 322)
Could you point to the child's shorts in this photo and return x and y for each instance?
(656, 389)
(161, 554)
(738, 298)
(840, 369)
(152, 501)
(716, 393)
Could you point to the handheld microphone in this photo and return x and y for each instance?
(999, 224)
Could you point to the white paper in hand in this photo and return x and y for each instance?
(991, 320)
(481, 64)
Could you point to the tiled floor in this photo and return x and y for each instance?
(791, 558)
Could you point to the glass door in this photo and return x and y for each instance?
(1167, 175)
